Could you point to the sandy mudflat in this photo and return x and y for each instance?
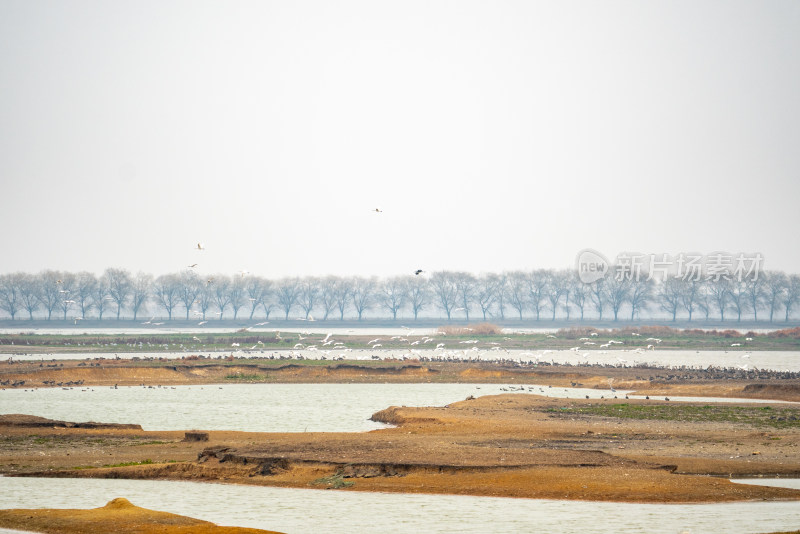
(119, 515)
(647, 451)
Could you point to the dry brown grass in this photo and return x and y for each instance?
(480, 329)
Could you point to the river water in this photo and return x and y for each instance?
(302, 510)
(263, 407)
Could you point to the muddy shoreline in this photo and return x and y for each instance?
(511, 445)
(754, 384)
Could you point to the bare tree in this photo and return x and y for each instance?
(362, 292)
(739, 297)
(617, 291)
(268, 299)
(221, 291)
(418, 294)
(776, 284)
(258, 291)
(327, 295)
(517, 292)
(501, 288)
(755, 293)
(189, 289)
(67, 289)
(792, 294)
(85, 286)
(206, 298)
(100, 297)
(670, 295)
(119, 287)
(719, 295)
(597, 293)
(580, 292)
(29, 294)
(341, 295)
(465, 288)
(486, 293)
(444, 291)
(286, 292)
(704, 299)
(141, 291)
(536, 282)
(49, 283)
(166, 291)
(308, 294)
(392, 294)
(641, 291)
(691, 292)
(555, 289)
(10, 299)
(238, 295)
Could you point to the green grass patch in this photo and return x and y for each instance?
(128, 464)
(765, 416)
(335, 481)
(243, 377)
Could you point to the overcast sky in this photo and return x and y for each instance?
(492, 135)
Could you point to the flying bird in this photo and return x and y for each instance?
(200, 246)
(418, 271)
(378, 210)
(192, 266)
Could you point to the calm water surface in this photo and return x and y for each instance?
(302, 511)
(262, 407)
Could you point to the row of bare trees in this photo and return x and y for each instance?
(538, 294)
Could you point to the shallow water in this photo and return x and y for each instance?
(264, 407)
(245, 407)
(302, 510)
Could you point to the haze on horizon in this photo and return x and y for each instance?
(493, 136)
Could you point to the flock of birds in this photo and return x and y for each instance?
(435, 347)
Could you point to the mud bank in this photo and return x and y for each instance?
(642, 380)
(508, 445)
(119, 515)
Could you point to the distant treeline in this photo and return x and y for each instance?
(538, 294)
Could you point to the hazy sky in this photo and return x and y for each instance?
(493, 135)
